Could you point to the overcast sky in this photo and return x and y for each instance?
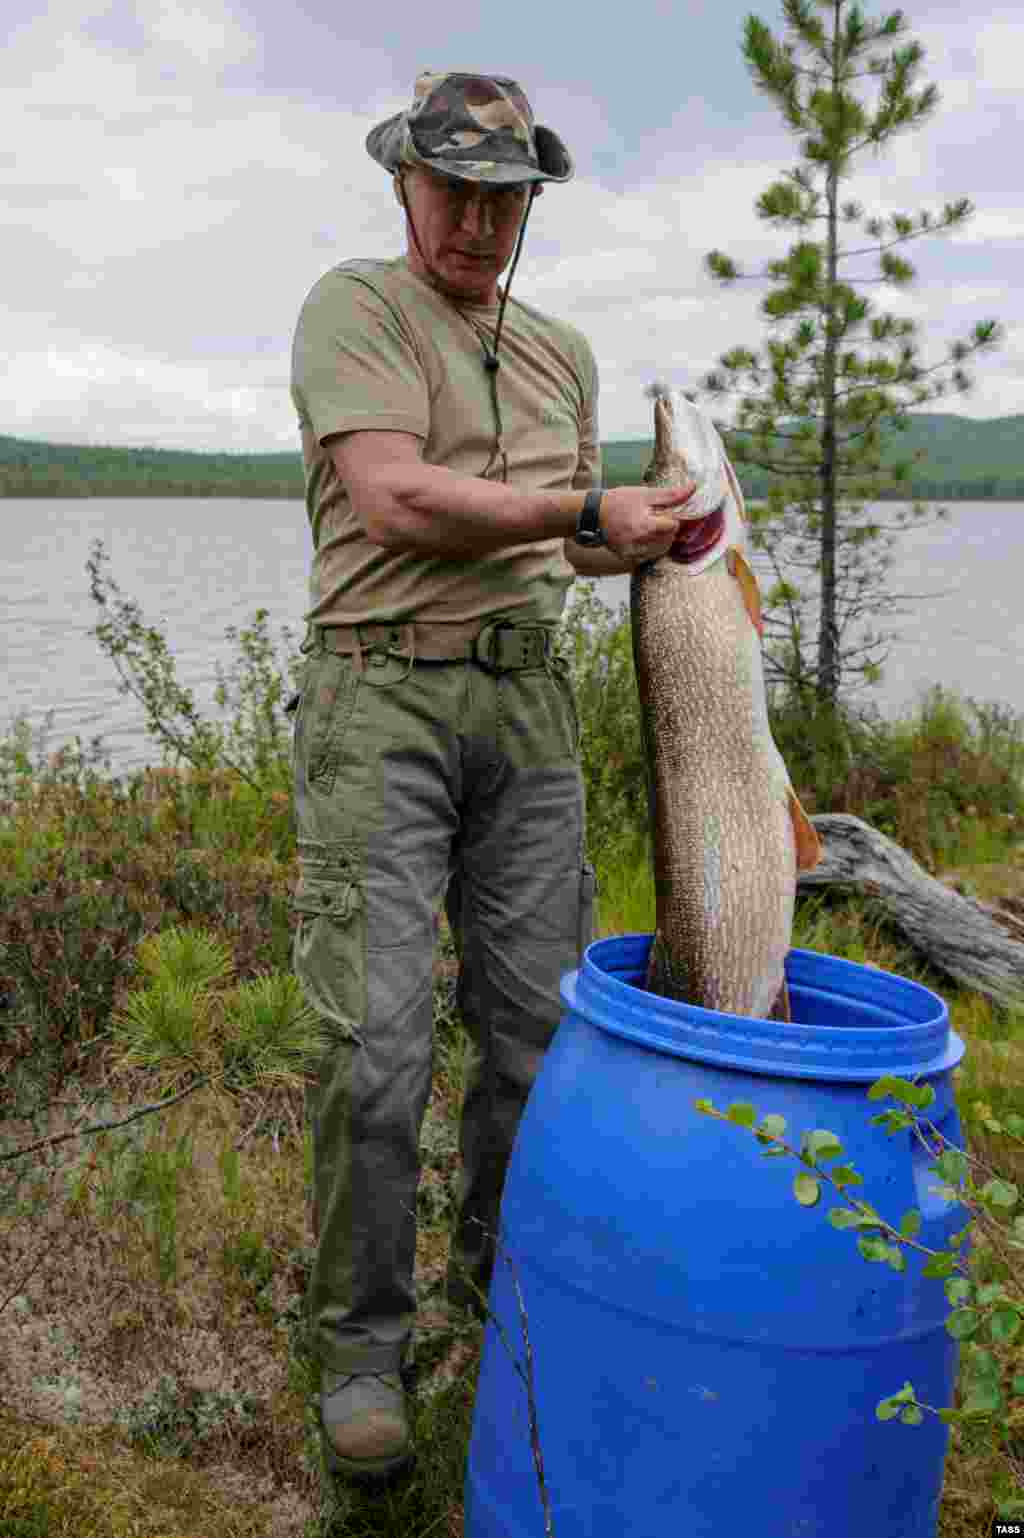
(175, 177)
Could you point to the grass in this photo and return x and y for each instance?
(154, 1370)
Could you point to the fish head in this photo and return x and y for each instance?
(687, 448)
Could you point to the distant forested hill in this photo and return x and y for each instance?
(29, 469)
(963, 458)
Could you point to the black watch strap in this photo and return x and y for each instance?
(588, 525)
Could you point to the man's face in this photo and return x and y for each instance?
(467, 231)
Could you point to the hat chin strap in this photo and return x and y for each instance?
(491, 360)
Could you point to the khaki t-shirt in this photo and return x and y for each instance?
(378, 348)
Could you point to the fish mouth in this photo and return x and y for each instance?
(668, 466)
(697, 537)
(664, 416)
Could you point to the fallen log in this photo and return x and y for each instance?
(975, 943)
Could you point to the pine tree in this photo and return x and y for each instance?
(813, 410)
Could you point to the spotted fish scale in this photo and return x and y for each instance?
(728, 831)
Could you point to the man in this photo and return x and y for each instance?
(437, 736)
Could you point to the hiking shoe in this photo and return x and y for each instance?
(364, 1421)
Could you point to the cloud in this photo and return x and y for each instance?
(160, 244)
(163, 212)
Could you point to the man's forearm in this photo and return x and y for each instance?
(433, 510)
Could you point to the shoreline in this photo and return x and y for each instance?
(926, 493)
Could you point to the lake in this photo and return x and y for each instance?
(196, 566)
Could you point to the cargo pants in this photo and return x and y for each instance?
(417, 781)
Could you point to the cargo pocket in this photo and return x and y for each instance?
(588, 904)
(329, 951)
(327, 701)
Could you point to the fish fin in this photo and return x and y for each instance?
(780, 1009)
(808, 844)
(660, 978)
(654, 981)
(739, 569)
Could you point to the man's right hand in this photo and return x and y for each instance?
(641, 524)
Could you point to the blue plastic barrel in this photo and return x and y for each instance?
(708, 1354)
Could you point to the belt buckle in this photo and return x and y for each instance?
(488, 652)
(485, 646)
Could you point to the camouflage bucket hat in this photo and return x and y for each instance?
(477, 127)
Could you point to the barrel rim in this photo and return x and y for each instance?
(598, 990)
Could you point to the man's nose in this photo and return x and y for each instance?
(477, 215)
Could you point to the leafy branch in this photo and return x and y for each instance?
(987, 1315)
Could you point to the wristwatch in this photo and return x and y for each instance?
(588, 528)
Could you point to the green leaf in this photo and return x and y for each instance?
(873, 1248)
(1015, 1125)
(742, 1113)
(990, 1293)
(1003, 1324)
(806, 1189)
(846, 1175)
(910, 1224)
(913, 1415)
(820, 1144)
(958, 1289)
(919, 1095)
(963, 1323)
(896, 1258)
(884, 1087)
(888, 1409)
(705, 1106)
(893, 1121)
(951, 1165)
(842, 1217)
(999, 1193)
(775, 1126)
(1017, 1384)
(773, 1153)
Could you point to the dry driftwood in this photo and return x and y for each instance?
(980, 946)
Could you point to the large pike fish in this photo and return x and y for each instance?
(728, 831)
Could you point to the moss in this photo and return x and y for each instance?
(84, 1483)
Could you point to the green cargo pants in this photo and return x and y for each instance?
(416, 780)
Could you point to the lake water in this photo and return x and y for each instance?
(196, 566)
